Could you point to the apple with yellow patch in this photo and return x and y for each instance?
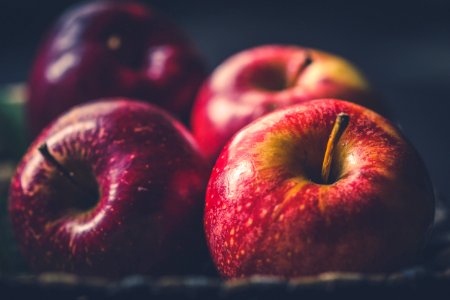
(257, 81)
(327, 185)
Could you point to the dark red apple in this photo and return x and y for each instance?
(259, 80)
(271, 209)
(111, 188)
(112, 49)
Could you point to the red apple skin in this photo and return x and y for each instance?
(112, 49)
(259, 80)
(268, 213)
(151, 181)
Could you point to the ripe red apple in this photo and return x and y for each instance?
(112, 49)
(111, 188)
(260, 80)
(270, 211)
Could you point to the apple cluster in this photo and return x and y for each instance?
(115, 183)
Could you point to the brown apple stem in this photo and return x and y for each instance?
(339, 127)
(70, 176)
(308, 60)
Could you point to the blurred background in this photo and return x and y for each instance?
(403, 47)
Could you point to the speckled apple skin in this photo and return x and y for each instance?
(267, 211)
(151, 180)
(260, 80)
(112, 49)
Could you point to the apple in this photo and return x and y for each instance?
(111, 188)
(112, 49)
(295, 193)
(259, 80)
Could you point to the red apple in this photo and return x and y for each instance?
(112, 49)
(260, 80)
(270, 211)
(110, 188)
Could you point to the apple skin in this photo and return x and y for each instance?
(112, 49)
(259, 80)
(151, 180)
(268, 213)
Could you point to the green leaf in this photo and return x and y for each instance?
(13, 139)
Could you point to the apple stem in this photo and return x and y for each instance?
(339, 127)
(45, 152)
(308, 60)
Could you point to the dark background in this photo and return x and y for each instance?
(402, 46)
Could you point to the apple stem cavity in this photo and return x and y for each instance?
(339, 127)
(70, 176)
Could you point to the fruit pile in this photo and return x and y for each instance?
(279, 163)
